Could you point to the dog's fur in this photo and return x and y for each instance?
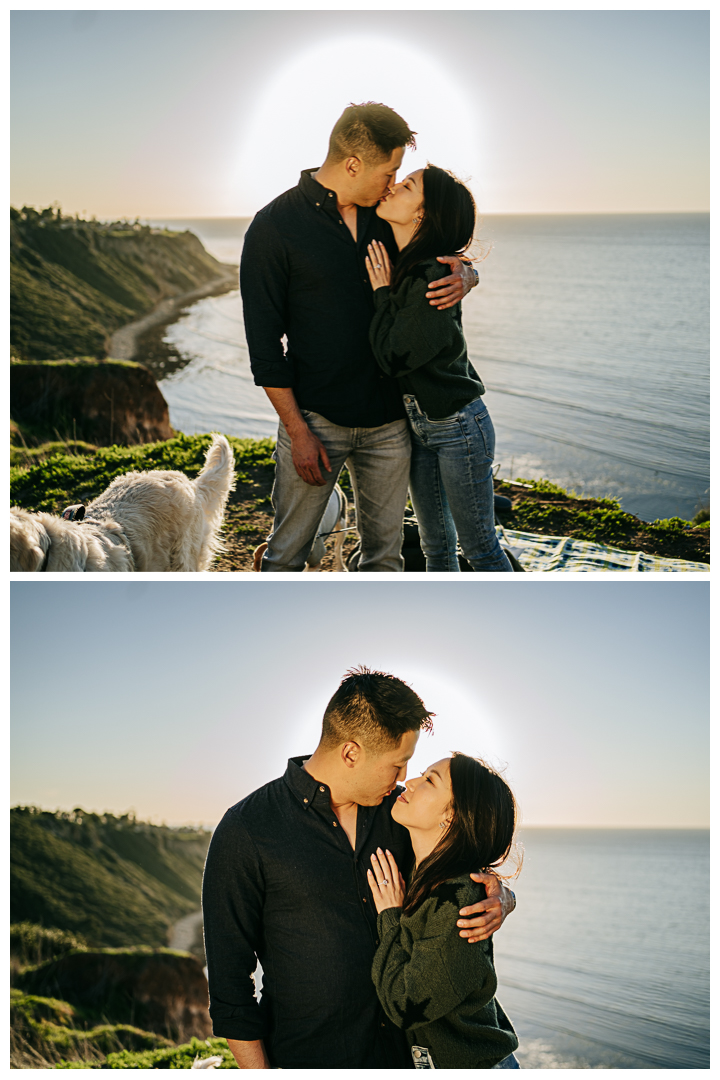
(151, 521)
(330, 536)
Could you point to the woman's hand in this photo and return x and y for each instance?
(378, 265)
(386, 881)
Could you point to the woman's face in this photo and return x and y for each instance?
(425, 802)
(404, 200)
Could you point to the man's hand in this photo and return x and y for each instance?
(489, 913)
(308, 453)
(450, 290)
(249, 1055)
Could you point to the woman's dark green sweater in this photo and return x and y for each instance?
(438, 988)
(423, 348)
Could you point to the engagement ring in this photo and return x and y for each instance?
(385, 882)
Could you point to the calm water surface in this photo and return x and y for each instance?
(598, 967)
(590, 333)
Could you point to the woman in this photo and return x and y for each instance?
(431, 214)
(440, 990)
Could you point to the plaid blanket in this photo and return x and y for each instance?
(560, 553)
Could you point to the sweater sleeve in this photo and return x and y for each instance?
(422, 977)
(407, 333)
(233, 898)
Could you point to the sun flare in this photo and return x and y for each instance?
(297, 107)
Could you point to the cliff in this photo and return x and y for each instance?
(74, 282)
(115, 881)
(157, 990)
(100, 402)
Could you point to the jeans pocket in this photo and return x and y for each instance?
(487, 433)
(453, 419)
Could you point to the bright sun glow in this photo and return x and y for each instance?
(301, 103)
(462, 722)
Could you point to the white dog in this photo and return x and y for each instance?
(151, 521)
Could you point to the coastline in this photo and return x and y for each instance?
(123, 343)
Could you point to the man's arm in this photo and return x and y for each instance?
(448, 291)
(249, 1055)
(233, 901)
(489, 914)
(308, 453)
(264, 279)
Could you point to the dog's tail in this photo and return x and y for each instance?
(212, 485)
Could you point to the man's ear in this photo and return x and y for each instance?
(350, 754)
(353, 166)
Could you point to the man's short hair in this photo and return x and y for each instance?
(373, 709)
(369, 132)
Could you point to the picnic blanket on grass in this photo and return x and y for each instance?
(561, 553)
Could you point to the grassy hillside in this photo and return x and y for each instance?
(115, 881)
(73, 282)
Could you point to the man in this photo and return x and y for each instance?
(286, 883)
(303, 279)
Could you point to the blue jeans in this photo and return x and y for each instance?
(510, 1062)
(378, 460)
(451, 487)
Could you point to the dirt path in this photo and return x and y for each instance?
(185, 932)
(123, 343)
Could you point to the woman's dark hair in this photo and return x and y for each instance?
(481, 832)
(447, 225)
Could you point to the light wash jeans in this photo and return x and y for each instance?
(451, 487)
(378, 460)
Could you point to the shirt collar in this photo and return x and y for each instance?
(320, 197)
(304, 787)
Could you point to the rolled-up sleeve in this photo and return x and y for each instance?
(264, 287)
(233, 895)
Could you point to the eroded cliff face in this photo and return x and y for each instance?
(156, 990)
(105, 403)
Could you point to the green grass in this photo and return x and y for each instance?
(54, 478)
(60, 1034)
(33, 944)
(179, 1057)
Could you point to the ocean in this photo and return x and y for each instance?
(604, 964)
(591, 334)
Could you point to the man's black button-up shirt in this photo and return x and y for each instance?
(282, 884)
(303, 278)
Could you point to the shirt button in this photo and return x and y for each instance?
(317, 203)
(335, 824)
(305, 800)
(364, 900)
(322, 788)
(330, 195)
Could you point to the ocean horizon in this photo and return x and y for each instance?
(590, 332)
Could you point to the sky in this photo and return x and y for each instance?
(213, 113)
(176, 699)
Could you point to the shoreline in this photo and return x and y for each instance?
(123, 343)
